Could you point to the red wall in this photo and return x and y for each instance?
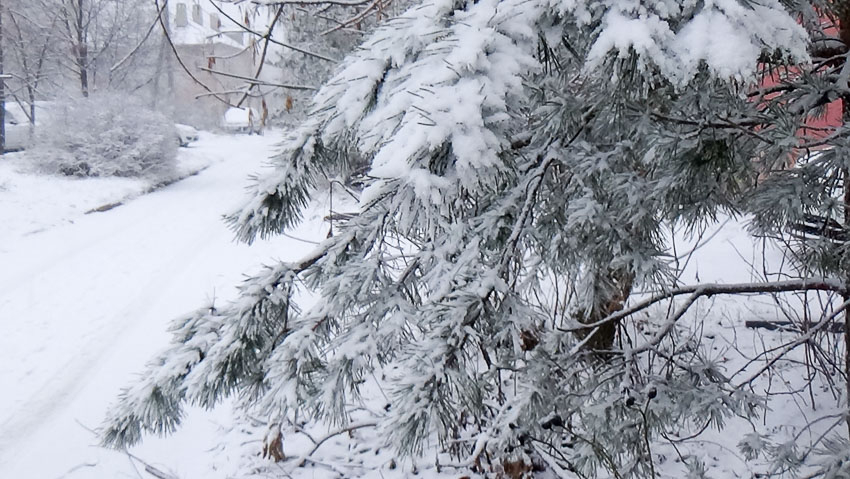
(823, 122)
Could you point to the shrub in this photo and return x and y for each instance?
(106, 135)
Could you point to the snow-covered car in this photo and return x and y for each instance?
(242, 120)
(18, 129)
(185, 134)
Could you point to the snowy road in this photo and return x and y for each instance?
(84, 305)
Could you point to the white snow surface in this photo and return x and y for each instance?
(85, 301)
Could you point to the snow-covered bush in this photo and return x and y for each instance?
(106, 135)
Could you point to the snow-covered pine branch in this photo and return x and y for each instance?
(439, 290)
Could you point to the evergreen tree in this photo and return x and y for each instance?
(519, 160)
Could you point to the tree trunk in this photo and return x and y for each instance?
(846, 296)
(844, 25)
(82, 49)
(611, 293)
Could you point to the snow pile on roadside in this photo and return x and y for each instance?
(33, 202)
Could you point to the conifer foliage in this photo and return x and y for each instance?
(515, 164)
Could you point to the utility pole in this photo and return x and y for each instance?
(3, 78)
(164, 62)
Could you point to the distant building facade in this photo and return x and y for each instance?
(207, 40)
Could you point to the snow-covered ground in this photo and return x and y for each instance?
(85, 299)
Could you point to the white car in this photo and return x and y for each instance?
(242, 120)
(18, 129)
(185, 134)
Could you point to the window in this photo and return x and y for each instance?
(196, 14)
(215, 22)
(181, 19)
(236, 37)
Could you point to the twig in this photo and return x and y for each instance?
(337, 432)
(272, 40)
(255, 81)
(142, 42)
(153, 471)
(339, 3)
(801, 340)
(78, 467)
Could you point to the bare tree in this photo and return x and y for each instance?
(32, 40)
(101, 41)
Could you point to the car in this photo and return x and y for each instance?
(242, 120)
(185, 134)
(18, 129)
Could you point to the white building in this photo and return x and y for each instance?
(208, 41)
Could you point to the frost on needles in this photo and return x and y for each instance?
(517, 164)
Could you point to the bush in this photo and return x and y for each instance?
(106, 135)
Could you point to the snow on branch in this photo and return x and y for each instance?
(728, 36)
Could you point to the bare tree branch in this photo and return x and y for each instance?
(142, 42)
(301, 460)
(339, 3)
(699, 290)
(254, 81)
(272, 40)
